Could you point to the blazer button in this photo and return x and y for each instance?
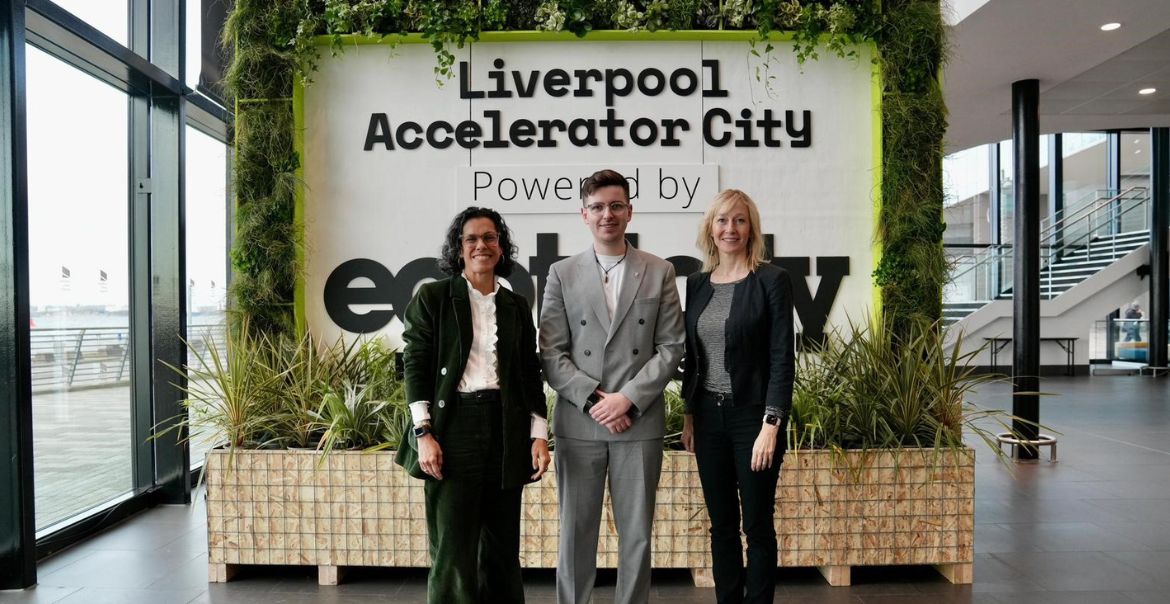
(582, 321)
(641, 321)
(587, 353)
(443, 371)
(635, 351)
(442, 403)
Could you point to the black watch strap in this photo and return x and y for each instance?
(422, 430)
(591, 400)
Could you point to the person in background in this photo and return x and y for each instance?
(1133, 327)
(479, 410)
(737, 384)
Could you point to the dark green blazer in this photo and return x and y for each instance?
(438, 340)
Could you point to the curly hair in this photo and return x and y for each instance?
(451, 256)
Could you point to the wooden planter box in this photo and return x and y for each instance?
(359, 509)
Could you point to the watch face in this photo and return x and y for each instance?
(421, 431)
(772, 419)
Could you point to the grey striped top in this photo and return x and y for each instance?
(712, 338)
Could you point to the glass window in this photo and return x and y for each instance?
(1007, 189)
(1085, 182)
(111, 17)
(206, 252)
(1135, 181)
(78, 289)
(1007, 192)
(194, 59)
(966, 193)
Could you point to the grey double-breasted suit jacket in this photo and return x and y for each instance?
(635, 354)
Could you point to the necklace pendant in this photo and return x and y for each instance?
(606, 278)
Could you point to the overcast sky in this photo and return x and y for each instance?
(78, 180)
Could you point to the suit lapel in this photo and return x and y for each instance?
(587, 272)
(462, 307)
(703, 294)
(635, 271)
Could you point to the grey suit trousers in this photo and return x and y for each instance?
(633, 468)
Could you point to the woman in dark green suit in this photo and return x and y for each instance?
(478, 405)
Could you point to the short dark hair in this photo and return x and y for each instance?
(451, 257)
(601, 179)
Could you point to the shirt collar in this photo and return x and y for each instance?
(475, 292)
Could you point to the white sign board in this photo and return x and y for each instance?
(389, 157)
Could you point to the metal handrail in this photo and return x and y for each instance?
(1078, 215)
(996, 252)
(1086, 237)
(84, 357)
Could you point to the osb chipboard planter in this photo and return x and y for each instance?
(359, 509)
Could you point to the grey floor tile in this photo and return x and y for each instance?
(1078, 571)
(98, 595)
(116, 569)
(188, 575)
(1147, 597)
(41, 594)
(1067, 597)
(995, 538)
(1154, 564)
(1077, 537)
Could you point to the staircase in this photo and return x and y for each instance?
(1078, 264)
(1070, 260)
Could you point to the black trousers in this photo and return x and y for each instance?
(473, 524)
(724, 436)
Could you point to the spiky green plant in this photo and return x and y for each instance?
(877, 388)
(231, 396)
(350, 418)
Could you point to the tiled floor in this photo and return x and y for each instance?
(1092, 528)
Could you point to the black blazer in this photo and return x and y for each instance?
(759, 354)
(438, 340)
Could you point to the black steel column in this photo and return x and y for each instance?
(1113, 178)
(1056, 189)
(1026, 261)
(18, 567)
(159, 133)
(994, 198)
(1159, 225)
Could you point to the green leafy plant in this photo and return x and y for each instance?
(351, 418)
(675, 410)
(231, 396)
(877, 388)
(271, 391)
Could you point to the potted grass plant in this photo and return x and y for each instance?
(877, 470)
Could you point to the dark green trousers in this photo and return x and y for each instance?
(473, 524)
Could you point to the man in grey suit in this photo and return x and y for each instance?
(611, 337)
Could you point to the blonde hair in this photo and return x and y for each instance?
(723, 203)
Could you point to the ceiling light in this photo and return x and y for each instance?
(1136, 151)
(1110, 26)
(1147, 91)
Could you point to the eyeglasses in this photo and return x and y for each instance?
(488, 239)
(616, 207)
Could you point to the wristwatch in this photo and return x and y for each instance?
(772, 419)
(591, 400)
(422, 430)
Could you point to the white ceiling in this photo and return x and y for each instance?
(1089, 79)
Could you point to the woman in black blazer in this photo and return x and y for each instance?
(477, 400)
(737, 384)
